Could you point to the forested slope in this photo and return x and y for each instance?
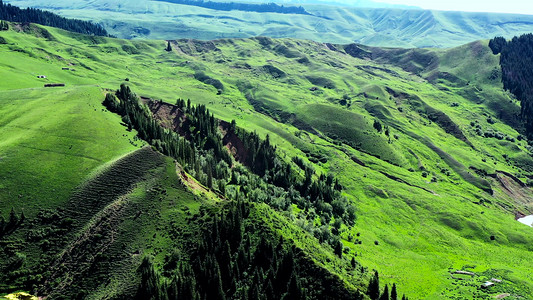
(15, 14)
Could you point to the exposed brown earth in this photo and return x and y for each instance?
(172, 117)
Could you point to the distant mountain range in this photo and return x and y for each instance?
(352, 3)
(389, 27)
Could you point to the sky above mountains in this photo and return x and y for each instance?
(508, 6)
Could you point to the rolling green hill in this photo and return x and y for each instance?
(425, 144)
(387, 27)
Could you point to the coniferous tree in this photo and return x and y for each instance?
(294, 290)
(150, 286)
(338, 248)
(219, 285)
(353, 263)
(497, 44)
(22, 218)
(373, 287)
(385, 294)
(209, 178)
(393, 293)
(2, 225)
(13, 220)
(516, 62)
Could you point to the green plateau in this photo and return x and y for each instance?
(425, 143)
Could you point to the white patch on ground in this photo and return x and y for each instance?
(528, 220)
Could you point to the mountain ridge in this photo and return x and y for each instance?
(371, 26)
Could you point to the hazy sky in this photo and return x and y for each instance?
(503, 6)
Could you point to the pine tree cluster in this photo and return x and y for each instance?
(12, 13)
(235, 260)
(516, 61)
(256, 7)
(374, 293)
(272, 180)
(231, 261)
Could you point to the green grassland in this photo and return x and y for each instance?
(43, 132)
(423, 204)
(327, 23)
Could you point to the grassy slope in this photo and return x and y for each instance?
(379, 27)
(421, 234)
(46, 150)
